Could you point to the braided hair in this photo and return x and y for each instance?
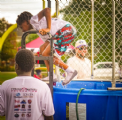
(24, 16)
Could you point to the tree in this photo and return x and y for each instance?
(3, 26)
(9, 48)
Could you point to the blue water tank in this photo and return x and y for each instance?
(95, 101)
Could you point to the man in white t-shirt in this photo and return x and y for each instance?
(25, 97)
(79, 62)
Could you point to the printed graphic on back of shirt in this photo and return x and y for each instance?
(23, 99)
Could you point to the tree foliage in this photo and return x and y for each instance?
(9, 48)
(3, 26)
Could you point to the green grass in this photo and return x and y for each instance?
(2, 118)
(6, 75)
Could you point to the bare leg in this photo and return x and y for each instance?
(56, 61)
(59, 63)
(42, 48)
(70, 73)
(46, 52)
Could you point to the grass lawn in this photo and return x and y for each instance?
(6, 75)
(2, 118)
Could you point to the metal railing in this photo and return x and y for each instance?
(49, 58)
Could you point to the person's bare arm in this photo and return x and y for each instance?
(48, 117)
(46, 12)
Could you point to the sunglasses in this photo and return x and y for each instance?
(85, 48)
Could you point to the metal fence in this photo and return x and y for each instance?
(118, 37)
(97, 24)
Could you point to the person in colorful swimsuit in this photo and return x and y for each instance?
(25, 97)
(63, 34)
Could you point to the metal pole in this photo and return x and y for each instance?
(23, 46)
(51, 60)
(113, 44)
(57, 11)
(57, 8)
(92, 38)
(49, 4)
(51, 68)
(113, 48)
(43, 4)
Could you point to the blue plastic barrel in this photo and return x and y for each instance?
(101, 104)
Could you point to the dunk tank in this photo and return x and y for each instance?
(93, 99)
(95, 102)
(100, 98)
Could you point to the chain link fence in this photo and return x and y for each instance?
(118, 38)
(97, 34)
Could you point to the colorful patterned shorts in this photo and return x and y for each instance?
(63, 38)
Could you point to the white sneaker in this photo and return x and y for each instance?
(47, 78)
(70, 76)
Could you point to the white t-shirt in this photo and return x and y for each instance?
(56, 24)
(25, 98)
(83, 67)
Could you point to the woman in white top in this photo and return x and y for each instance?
(63, 34)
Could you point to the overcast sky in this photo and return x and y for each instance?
(9, 9)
